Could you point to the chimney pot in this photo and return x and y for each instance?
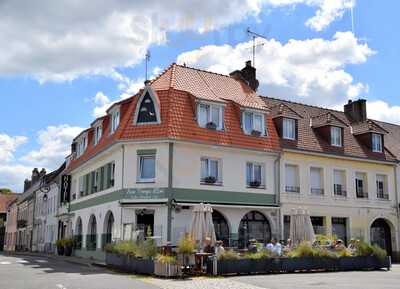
(356, 110)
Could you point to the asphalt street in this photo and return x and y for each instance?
(33, 272)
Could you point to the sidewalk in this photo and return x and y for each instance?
(69, 259)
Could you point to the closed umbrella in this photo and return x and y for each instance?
(301, 228)
(198, 225)
(210, 230)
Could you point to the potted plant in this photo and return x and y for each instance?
(60, 247)
(255, 184)
(167, 266)
(211, 125)
(68, 243)
(255, 132)
(210, 179)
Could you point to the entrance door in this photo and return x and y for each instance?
(339, 228)
(145, 222)
(381, 235)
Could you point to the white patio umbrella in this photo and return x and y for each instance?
(301, 228)
(198, 225)
(210, 230)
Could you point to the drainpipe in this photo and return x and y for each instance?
(169, 193)
(33, 221)
(396, 190)
(122, 187)
(277, 173)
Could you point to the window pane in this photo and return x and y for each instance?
(289, 128)
(204, 169)
(213, 168)
(316, 178)
(336, 136)
(248, 122)
(249, 172)
(376, 142)
(147, 167)
(203, 115)
(290, 176)
(258, 125)
(215, 115)
(257, 173)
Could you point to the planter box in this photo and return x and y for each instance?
(303, 264)
(130, 264)
(167, 270)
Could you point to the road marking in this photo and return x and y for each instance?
(41, 261)
(5, 263)
(22, 261)
(61, 286)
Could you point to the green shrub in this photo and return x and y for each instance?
(165, 259)
(363, 249)
(186, 245)
(325, 239)
(69, 242)
(262, 254)
(343, 253)
(146, 249)
(124, 248)
(306, 250)
(378, 252)
(60, 242)
(228, 255)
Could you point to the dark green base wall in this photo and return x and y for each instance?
(97, 255)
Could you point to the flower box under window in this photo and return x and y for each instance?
(211, 125)
(210, 180)
(255, 132)
(255, 184)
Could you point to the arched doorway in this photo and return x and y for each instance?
(108, 228)
(91, 240)
(221, 227)
(78, 233)
(380, 234)
(253, 225)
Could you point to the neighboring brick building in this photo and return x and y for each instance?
(5, 200)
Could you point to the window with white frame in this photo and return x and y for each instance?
(316, 181)
(292, 183)
(336, 136)
(253, 123)
(114, 120)
(82, 143)
(361, 185)
(339, 183)
(210, 115)
(381, 187)
(146, 168)
(98, 130)
(255, 175)
(211, 171)
(377, 143)
(289, 128)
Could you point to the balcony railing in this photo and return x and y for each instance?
(362, 194)
(292, 189)
(317, 191)
(382, 195)
(339, 191)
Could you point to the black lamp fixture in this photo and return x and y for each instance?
(44, 188)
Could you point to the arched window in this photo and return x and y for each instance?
(108, 228)
(254, 225)
(78, 234)
(380, 234)
(221, 227)
(91, 240)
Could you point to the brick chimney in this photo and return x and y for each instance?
(356, 111)
(27, 184)
(247, 74)
(42, 173)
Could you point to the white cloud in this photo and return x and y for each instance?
(311, 71)
(381, 110)
(8, 146)
(62, 40)
(102, 103)
(55, 145)
(13, 175)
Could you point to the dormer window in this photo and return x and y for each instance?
(210, 116)
(82, 143)
(377, 143)
(114, 120)
(336, 136)
(289, 128)
(253, 123)
(147, 108)
(98, 131)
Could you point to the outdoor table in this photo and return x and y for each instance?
(199, 260)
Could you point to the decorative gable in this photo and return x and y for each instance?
(147, 108)
(327, 119)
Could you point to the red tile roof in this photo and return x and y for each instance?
(177, 89)
(5, 200)
(310, 140)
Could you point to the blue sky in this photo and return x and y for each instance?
(63, 68)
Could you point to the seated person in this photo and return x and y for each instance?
(352, 246)
(219, 248)
(252, 247)
(208, 248)
(339, 245)
(275, 247)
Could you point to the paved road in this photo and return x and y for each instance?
(30, 272)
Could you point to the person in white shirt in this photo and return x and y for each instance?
(275, 247)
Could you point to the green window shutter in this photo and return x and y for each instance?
(101, 179)
(109, 168)
(90, 183)
(86, 184)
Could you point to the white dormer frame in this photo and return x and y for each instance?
(264, 131)
(115, 110)
(97, 126)
(82, 143)
(156, 102)
(219, 105)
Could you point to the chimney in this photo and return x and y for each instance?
(42, 173)
(356, 110)
(27, 184)
(35, 175)
(248, 74)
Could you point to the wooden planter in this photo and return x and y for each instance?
(130, 264)
(302, 264)
(167, 269)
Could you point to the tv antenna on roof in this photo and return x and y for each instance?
(254, 35)
(147, 59)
